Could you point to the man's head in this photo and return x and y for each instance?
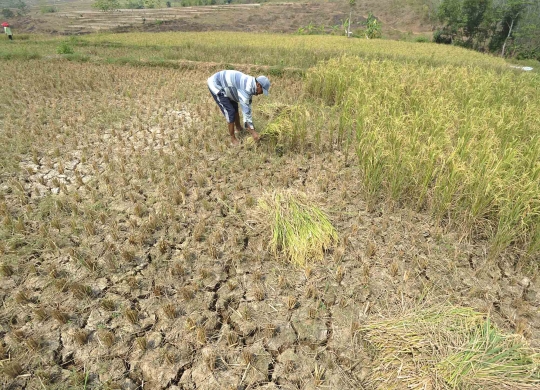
(263, 85)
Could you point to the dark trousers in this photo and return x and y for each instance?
(228, 107)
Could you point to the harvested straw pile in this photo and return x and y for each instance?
(273, 109)
(300, 230)
(448, 348)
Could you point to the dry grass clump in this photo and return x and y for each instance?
(300, 230)
(448, 348)
(80, 336)
(12, 369)
(60, 316)
(6, 270)
(132, 316)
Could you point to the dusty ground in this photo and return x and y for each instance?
(80, 18)
(154, 272)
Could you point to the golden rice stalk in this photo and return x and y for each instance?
(299, 229)
(273, 109)
(280, 128)
(284, 122)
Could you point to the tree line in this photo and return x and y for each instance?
(11, 8)
(510, 28)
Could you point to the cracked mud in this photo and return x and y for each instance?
(151, 271)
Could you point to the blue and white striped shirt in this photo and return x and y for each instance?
(237, 86)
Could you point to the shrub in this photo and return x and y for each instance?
(48, 9)
(442, 37)
(311, 29)
(275, 71)
(373, 27)
(7, 13)
(135, 4)
(65, 48)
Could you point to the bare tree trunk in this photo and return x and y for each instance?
(349, 28)
(506, 40)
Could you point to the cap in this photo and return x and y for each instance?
(265, 83)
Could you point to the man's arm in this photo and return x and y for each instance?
(248, 119)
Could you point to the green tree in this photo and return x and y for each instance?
(510, 14)
(450, 14)
(474, 17)
(7, 13)
(352, 4)
(526, 36)
(491, 24)
(373, 27)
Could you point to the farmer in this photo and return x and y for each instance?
(7, 30)
(230, 87)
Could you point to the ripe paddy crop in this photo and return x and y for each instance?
(130, 255)
(461, 142)
(233, 49)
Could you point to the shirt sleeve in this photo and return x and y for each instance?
(211, 82)
(245, 103)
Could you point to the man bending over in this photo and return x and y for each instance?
(230, 87)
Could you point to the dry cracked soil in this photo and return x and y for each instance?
(159, 276)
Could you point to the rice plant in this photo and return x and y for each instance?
(300, 230)
(461, 142)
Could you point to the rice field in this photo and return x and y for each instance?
(462, 143)
(383, 233)
(230, 48)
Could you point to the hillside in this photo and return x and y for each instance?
(78, 17)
